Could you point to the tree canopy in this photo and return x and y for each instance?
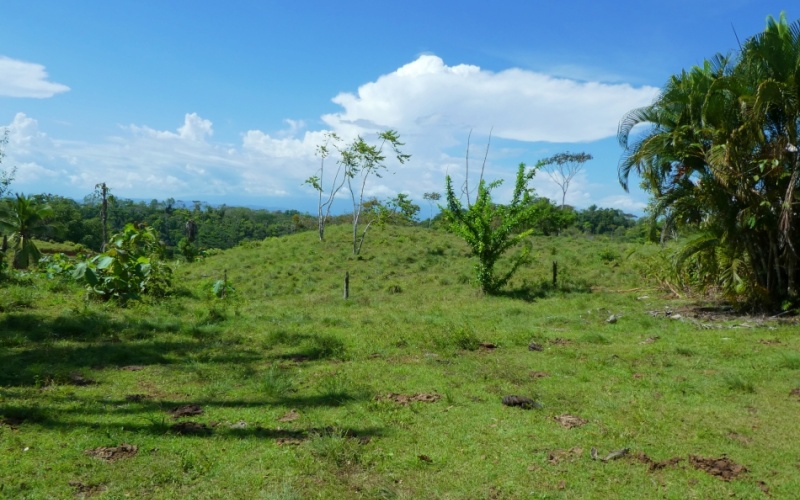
(719, 154)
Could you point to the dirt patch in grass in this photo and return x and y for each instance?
(190, 428)
(795, 392)
(488, 346)
(12, 422)
(723, 467)
(535, 374)
(560, 341)
(87, 490)
(533, 346)
(557, 456)
(186, 411)
(570, 421)
(136, 398)
(521, 402)
(653, 465)
(113, 453)
(79, 380)
(290, 416)
(406, 399)
(132, 368)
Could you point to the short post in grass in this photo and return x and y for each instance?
(555, 274)
(346, 284)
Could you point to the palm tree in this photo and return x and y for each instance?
(720, 155)
(23, 219)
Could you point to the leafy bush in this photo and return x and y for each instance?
(129, 268)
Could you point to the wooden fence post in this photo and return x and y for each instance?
(555, 274)
(346, 285)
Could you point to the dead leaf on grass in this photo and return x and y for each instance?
(186, 411)
(723, 467)
(570, 421)
(521, 402)
(291, 416)
(113, 453)
(190, 428)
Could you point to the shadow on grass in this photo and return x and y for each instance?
(41, 350)
(154, 416)
(542, 290)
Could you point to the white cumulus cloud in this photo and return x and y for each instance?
(25, 79)
(520, 105)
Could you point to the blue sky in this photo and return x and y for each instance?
(225, 101)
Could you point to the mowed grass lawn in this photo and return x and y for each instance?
(285, 390)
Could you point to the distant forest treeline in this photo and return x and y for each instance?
(226, 226)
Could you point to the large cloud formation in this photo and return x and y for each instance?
(24, 79)
(434, 106)
(520, 105)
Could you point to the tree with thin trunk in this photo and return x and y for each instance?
(562, 169)
(326, 195)
(6, 177)
(361, 161)
(431, 198)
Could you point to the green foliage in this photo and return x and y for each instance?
(130, 267)
(719, 155)
(22, 219)
(188, 250)
(490, 229)
(222, 289)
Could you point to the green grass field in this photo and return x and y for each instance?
(286, 390)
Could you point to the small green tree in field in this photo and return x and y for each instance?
(491, 229)
(130, 267)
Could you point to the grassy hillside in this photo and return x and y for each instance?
(289, 391)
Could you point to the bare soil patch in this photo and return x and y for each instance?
(560, 341)
(654, 465)
(290, 416)
(186, 411)
(406, 399)
(132, 368)
(79, 380)
(189, 428)
(723, 467)
(113, 453)
(521, 402)
(560, 455)
(535, 374)
(570, 421)
(87, 490)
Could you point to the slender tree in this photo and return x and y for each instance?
(431, 198)
(562, 169)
